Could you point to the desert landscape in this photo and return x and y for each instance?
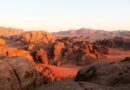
(64, 44)
(39, 60)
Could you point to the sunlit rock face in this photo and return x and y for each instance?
(37, 37)
(81, 52)
(58, 47)
(2, 42)
(108, 73)
(10, 51)
(16, 73)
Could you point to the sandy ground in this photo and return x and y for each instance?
(118, 54)
(62, 71)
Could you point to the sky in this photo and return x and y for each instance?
(60, 15)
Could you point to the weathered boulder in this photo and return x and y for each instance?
(16, 73)
(8, 79)
(109, 73)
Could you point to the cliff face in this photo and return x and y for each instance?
(37, 36)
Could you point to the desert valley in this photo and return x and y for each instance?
(83, 59)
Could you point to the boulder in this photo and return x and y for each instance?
(108, 73)
(16, 73)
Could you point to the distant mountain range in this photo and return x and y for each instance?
(86, 33)
(92, 34)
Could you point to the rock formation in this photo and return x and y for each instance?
(37, 37)
(10, 51)
(2, 42)
(107, 73)
(16, 73)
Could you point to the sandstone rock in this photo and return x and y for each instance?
(37, 37)
(93, 86)
(106, 42)
(8, 79)
(2, 42)
(43, 55)
(47, 74)
(102, 49)
(109, 73)
(58, 47)
(62, 85)
(31, 47)
(9, 51)
(87, 59)
(16, 73)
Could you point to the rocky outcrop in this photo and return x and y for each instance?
(107, 73)
(16, 73)
(115, 42)
(42, 54)
(58, 47)
(37, 37)
(87, 59)
(2, 42)
(47, 75)
(102, 49)
(78, 51)
(9, 51)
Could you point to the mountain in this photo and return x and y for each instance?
(93, 35)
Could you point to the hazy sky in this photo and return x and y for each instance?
(56, 15)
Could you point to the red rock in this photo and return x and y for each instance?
(48, 75)
(2, 42)
(8, 51)
(37, 37)
(58, 47)
(43, 55)
(108, 73)
(16, 73)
